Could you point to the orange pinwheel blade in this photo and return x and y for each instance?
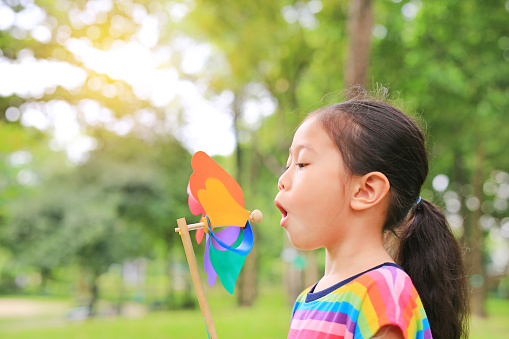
(204, 167)
(221, 206)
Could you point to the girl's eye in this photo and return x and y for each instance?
(299, 165)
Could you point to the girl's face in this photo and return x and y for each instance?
(313, 189)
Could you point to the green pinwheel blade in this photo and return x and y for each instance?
(227, 264)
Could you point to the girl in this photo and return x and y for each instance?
(353, 177)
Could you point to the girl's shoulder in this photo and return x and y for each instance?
(386, 283)
(381, 279)
(388, 275)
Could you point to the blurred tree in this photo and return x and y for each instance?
(68, 25)
(451, 62)
(108, 210)
(17, 176)
(147, 181)
(360, 26)
(67, 222)
(122, 193)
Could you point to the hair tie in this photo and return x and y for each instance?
(418, 200)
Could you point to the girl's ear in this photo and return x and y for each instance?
(369, 190)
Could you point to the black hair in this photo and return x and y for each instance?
(375, 136)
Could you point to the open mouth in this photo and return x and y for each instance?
(283, 212)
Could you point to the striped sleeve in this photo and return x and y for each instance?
(390, 299)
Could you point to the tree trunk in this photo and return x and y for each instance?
(94, 296)
(45, 275)
(247, 282)
(311, 274)
(460, 179)
(478, 277)
(246, 285)
(293, 282)
(360, 23)
(121, 293)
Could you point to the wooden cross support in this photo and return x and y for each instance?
(256, 217)
(195, 274)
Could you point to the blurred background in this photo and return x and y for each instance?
(103, 102)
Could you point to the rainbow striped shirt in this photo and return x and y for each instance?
(359, 306)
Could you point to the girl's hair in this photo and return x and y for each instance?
(375, 136)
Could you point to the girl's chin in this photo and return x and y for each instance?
(300, 242)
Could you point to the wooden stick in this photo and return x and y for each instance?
(195, 274)
(198, 225)
(256, 217)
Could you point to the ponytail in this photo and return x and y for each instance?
(432, 257)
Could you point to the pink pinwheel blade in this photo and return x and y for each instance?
(199, 235)
(196, 208)
(194, 205)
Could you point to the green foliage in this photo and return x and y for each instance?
(102, 212)
(448, 64)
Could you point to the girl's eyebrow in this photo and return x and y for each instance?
(302, 146)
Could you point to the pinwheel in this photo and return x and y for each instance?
(215, 195)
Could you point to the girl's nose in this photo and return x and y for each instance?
(280, 184)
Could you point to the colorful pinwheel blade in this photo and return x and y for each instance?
(199, 235)
(221, 207)
(228, 235)
(228, 263)
(196, 208)
(207, 265)
(204, 167)
(194, 205)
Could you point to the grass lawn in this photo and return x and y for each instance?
(496, 325)
(269, 318)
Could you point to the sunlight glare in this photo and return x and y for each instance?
(194, 53)
(79, 148)
(93, 113)
(30, 17)
(43, 74)
(12, 114)
(259, 104)
(133, 63)
(19, 158)
(148, 34)
(140, 63)
(32, 116)
(41, 33)
(60, 119)
(64, 120)
(208, 127)
(7, 16)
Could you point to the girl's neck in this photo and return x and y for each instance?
(352, 257)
